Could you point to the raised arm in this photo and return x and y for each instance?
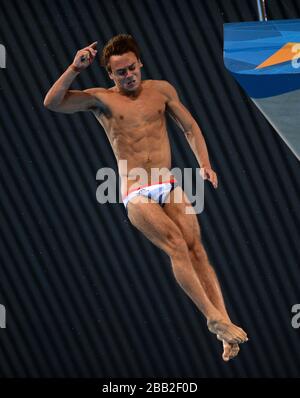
(191, 130)
(60, 99)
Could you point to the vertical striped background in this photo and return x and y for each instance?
(86, 294)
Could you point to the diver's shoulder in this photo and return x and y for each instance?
(158, 84)
(96, 91)
(163, 86)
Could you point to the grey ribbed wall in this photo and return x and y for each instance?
(86, 295)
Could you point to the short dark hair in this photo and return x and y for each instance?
(118, 45)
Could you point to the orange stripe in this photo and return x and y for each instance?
(284, 54)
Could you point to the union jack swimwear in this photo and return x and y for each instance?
(157, 192)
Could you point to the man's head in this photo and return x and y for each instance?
(121, 58)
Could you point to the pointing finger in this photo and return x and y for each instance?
(93, 45)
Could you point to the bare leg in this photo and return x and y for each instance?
(150, 219)
(189, 226)
(210, 283)
(208, 277)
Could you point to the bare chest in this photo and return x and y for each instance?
(148, 108)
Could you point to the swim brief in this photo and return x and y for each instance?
(157, 192)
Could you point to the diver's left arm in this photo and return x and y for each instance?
(191, 130)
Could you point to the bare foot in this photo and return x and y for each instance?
(230, 351)
(227, 331)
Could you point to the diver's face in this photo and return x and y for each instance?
(126, 71)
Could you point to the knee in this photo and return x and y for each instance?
(176, 244)
(197, 252)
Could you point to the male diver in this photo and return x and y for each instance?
(132, 114)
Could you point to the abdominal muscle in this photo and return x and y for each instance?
(145, 167)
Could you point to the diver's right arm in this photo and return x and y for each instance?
(60, 99)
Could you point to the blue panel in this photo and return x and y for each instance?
(248, 44)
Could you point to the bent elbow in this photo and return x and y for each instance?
(49, 104)
(192, 129)
(189, 133)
